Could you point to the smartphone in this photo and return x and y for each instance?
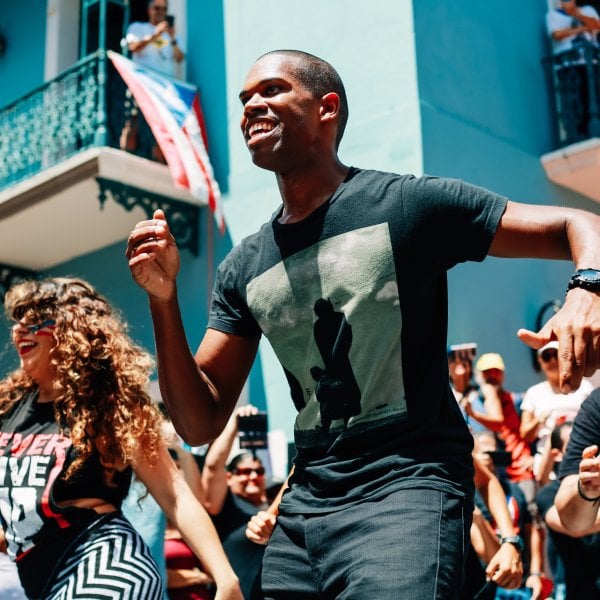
(252, 431)
(170, 19)
(500, 458)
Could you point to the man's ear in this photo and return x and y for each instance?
(330, 106)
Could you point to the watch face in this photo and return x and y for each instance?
(589, 275)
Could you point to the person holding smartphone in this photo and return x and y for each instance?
(235, 489)
(154, 43)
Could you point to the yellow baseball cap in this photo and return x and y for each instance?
(490, 361)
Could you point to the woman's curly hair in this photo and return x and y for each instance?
(101, 375)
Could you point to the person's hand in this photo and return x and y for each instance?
(589, 471)
(171, 437)
(241, 411)
(246, 410)
(161, 28)
(260, 527)
(465, 404)
(154, 257)
(534, 582)
(506, 567)
(229, 591)
(576, 326)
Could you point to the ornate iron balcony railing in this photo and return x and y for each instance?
(574, 77)
(85, 106)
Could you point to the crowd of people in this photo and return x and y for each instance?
(521, 439)
(348, 282)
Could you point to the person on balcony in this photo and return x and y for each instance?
(569, 21)
(570, 28)
(154, 43)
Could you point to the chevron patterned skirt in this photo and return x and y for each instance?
(109, 560)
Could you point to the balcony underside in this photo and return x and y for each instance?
(57, 215)
(576, 167)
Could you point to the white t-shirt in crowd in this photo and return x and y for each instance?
(158, 54)
(552, 408)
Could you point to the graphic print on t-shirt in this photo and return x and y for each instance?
(29, 464)
(332, 314)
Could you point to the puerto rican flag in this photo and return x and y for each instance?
(172, 110)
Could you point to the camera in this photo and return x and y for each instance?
(252, 431)
(170, 19)
(500, 458)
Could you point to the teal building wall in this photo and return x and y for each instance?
(23, 26)
(487, 118)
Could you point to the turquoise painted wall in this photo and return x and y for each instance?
(206, 68)
(486, 118)
(22, 64)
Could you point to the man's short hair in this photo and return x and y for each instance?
(318, 76)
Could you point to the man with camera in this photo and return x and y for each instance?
(154, 43)
(380, 505)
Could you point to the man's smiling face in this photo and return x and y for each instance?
(280, 120)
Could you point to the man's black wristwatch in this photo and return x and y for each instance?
(588, 279)
(515, 540)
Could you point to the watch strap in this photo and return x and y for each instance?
(515, 540)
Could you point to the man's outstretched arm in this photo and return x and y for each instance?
(200, 392)
(531, 231)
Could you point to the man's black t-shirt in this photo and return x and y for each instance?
(353, 300)
(585, 432)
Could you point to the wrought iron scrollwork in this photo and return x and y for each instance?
(183, 218)
(574, 76)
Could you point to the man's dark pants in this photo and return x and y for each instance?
(408, 545)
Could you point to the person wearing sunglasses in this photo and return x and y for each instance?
(545, 406)
(76, 422)
(235, 489)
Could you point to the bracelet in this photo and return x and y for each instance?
(535, 574)
(582, 495)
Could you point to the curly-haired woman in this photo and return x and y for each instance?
(75, 421)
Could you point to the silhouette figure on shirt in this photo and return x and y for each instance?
(337, 390)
